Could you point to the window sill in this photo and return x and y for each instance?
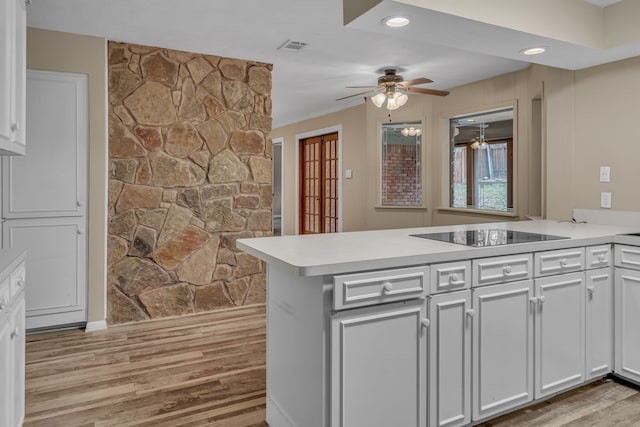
(424, 208)
(478, 212)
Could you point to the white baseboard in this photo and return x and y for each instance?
(98, 325)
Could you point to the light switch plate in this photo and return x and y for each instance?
(605, 174)
(348, 173)
(605, 200)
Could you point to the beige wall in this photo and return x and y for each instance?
(354, 209)
(55, 51)
(587, 122)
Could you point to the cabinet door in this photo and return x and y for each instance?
(378, 366)
(6, 371)
(599, 322)
(57, 289)
(627, 308)
(6, 51)
(18, 360)
(450, 316)
(559, 342)
(51, 180)
(502, 347)
(19, 70)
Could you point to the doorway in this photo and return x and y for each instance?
(319, 183)
(278, 173)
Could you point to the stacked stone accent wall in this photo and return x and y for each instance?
(190, 172)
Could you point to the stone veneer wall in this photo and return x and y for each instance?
(190, 172)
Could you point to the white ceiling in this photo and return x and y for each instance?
(447, 49)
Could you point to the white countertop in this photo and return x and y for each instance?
(10, 257)
(336, 253)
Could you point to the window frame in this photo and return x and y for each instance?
(380, 168)
(447, 194)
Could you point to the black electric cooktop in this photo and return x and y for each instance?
(488, 237)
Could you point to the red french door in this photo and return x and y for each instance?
(319, 184)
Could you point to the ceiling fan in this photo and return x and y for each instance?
(392, 88)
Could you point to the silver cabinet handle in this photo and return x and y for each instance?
(425, 323)
(563, 262)
(533, 300)
(506, 270)
(591, 290)
(471, 312)
(541, 299)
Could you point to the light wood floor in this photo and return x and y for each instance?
(209, 369)
(191, 371)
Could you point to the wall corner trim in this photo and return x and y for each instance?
(98, 325)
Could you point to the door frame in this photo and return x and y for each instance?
(301, 136)
(279, 142)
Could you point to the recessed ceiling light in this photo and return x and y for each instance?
(395, 21)
(534, 51)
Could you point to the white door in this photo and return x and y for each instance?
(502, 350)
(451, 320)
(627, 338)
(44, 199)
(599, 323)
(559, 341)
(378, 366)
(6, 64)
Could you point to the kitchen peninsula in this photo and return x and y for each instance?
(380, 328)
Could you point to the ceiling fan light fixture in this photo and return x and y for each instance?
(379, 99)
(405, 132)
(400, 98)
(392, 104)
(396, 21)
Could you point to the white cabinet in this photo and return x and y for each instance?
(599, 322)
(627, 320)
(559, 333)
(17, 336)
(378, 366)
(502, 347)
(13, 36)
(450, 316)
(12, 341)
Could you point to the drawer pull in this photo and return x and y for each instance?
(425, 323)
(20, 283)
(453, 280)
(471, 312)
(602, 258)
(506, 270)
(387, 287)
(563, 262)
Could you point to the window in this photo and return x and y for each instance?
(482, 161)
(401, 180)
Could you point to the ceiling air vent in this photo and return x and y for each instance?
(293, 46)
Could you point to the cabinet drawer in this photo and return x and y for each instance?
(357, 290)
(17, 280)
(450, 276)
(5, 296)
(598, 256)
(627, 256)
(560, 261)
(487, 271)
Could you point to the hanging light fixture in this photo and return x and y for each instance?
(395, 99)
(411, 131)
(479, 142)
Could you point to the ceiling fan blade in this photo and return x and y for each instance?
(355, 94)
(427, 91)
(360, 87)
(419, 81)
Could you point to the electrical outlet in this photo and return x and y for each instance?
(605, 174)
(605, 200)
